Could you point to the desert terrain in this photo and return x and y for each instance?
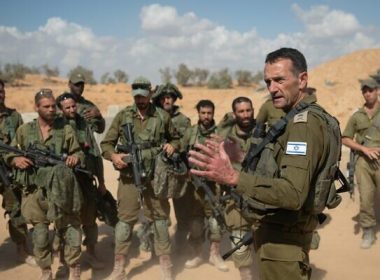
(339, 255)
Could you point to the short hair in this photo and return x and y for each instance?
(64, 96)
(297, 58)
(43, 93)
(240, 99)
(2, 83)
(205, 103)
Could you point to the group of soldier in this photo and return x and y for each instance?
(288, 167)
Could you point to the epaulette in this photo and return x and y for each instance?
(300, 117)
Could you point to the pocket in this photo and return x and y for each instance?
(281, 252)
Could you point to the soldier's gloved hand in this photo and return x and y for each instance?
(117, 160)
(22, 162)
(168, 149)
(92, 113)
(71, 161)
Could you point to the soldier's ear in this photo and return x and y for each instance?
(302, 79)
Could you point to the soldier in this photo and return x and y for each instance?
(201, 209)
(269, 115)
(86, 108)
(51, 193)
(165, 98)
(240, 132)
(364, 126)
(66, 103)
(10, 120)
(282, 234)
(152, 131)
(90, 113)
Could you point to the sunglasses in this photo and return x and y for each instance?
(141, 86)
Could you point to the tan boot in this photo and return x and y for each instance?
(46, 274)
(75, 272)
(215, 258)
(23, 256)
(197, 259)
(245, 273)
(89, 257)
(166, 267)
(118, 272)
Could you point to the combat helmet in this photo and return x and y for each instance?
(167, 88)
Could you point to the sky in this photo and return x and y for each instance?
(141, 37)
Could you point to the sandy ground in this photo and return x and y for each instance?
(338, 257)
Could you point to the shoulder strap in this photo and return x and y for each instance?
(274, 131)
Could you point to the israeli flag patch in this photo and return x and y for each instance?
(296, 148)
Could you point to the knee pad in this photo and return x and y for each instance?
(214, 226)
(41, 236)
(123, 232)
(237, 235)
(73, 236)
(160, 229)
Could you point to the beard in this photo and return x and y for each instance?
(142, 105)
(245, 123)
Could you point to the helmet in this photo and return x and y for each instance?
(167, 88)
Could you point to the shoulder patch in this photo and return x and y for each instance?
(296, 148)
(301, 117)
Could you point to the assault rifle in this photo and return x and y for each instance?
(216, 206)
(246, 240)
(135, 156)
(351, 173)
(41, 157)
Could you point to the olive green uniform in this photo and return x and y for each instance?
(269, 114)
(237, 224)
(182, 204)
(200, 207)
(150, 133)
(92, 155)
(282, 238)
(51, 193)
(10, 120)
(367, 171)
(97, 124)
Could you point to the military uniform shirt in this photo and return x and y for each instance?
(297, 172)
(358, 126)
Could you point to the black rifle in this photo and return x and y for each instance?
(351, 173)
(246, 240)
(216, 206)
(135, 157)
(42, 157)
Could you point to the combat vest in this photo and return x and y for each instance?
(323, 192)
(150, 139)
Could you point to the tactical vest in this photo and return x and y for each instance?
(149, 140)
(323, 192)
